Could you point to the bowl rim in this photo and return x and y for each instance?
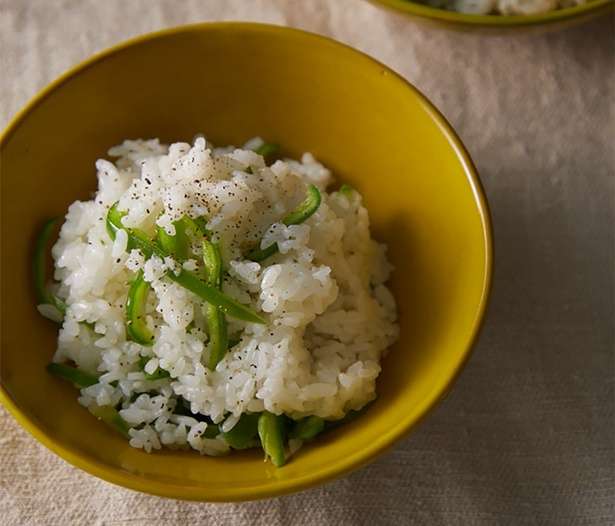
(412, 8)
(349, 462)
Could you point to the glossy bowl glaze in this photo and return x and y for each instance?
(233, 81)
(499, 24)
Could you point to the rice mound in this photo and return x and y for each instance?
(329, 315)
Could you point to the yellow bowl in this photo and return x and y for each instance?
(497, 23)
(233, 81)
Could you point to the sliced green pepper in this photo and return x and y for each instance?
(137, 239)
(232, 341)
(191, 281)
(75, 376)
(216, 322)
(211, 431)
(213, 263)
(110, 416)
(271, 433)
(218, 337)
(177, 245)
(158, 374)
(244, 433)
(43, 295)
(188, 280)
(136, 327)
(261, 254)
(346, 190)
(198, 226)
(307, 208)
(113, 221)
(267, 149)
(307, 428)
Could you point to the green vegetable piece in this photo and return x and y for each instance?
(136, 327)
(213, 263)
(110, 416)
(177, 245)
(229, 306)
(218, 335)
(137, 239)
(158, 374)
(75, 376)
(234, 341)
(244, 432)
(271, 433)
(261, 254)
(185, 278)
(307, 208)
(43, 295)
(216, 322)
(309, 205)
(267, 149)
(141, 241)
(197, 226)
(211, 431)
(307, 428)
(346, 190)
(113, 222)
(166, 241)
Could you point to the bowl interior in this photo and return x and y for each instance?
(231, 82)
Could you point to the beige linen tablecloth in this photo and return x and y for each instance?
(527, 436)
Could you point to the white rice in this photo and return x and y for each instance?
(329, 315)
(504, 7)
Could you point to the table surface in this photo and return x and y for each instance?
(527, 436)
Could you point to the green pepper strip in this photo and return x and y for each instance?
(137, 239)
(43, 295)
(216, 322)
(136, 327)
(158, 374)
(233, 341)
(110, 416)
(177, 245)
(211, 431)
(267, 149)
(213, 263)
(218, 340)
(198, 226)
(346, 190)
(307, 428)
(244, 433)
(191, 281)
(261, 254)
(75, 376)
(271, 433)
(309, 205)
(188, 280)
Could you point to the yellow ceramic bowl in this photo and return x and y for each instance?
(233, 81)
(498, 23)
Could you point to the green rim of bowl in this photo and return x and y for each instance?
(354, 459)
(410, 7)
